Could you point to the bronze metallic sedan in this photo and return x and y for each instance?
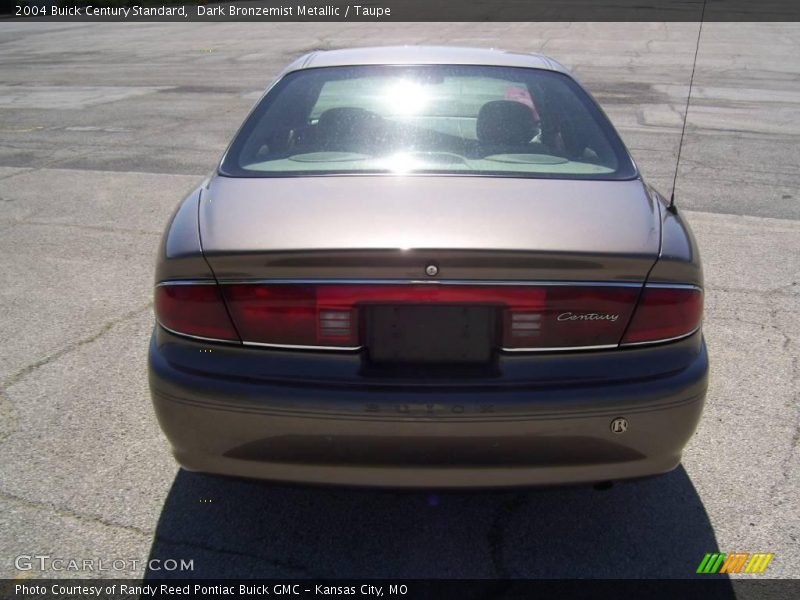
(428, 267)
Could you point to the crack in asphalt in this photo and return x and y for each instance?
(7, 409)
(48, 164)
(732, 319)
(8, 418)
(103, 228)
(104, 328)
(794, 444)
(275, 562)
(782, 290)
(66, 512)
(53, 163)
(21, 171)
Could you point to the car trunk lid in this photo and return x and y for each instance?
(472, 228)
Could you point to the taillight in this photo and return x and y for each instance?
(291, 315)
(528, 316)
(194, 309)
(571, 317)
(665, 313)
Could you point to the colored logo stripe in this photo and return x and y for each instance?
(711, 563)
(758, 562)
(734, 562)
(720, 562)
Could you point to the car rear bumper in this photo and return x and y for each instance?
(381, 433)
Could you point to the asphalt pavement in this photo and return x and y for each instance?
(103, 127)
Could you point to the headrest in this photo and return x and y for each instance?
(505, 122)
(347, 123)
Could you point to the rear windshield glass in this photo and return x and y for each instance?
(428, 119)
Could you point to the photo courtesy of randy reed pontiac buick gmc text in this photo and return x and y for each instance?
(204, 590)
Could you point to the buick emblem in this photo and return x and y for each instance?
(432, 270)
(619, 425)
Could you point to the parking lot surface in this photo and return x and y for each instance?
(103, 127)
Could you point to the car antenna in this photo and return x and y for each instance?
(671, 206)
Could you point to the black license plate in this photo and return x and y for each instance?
(431, 334)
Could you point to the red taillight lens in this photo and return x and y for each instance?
(196, 310)
(570, 317)
(530, 316)
(665, 313)
(291, 315)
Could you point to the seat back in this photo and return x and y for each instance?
(505, 124)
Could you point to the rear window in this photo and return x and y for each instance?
(428, 119)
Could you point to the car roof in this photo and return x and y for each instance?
(424, 55)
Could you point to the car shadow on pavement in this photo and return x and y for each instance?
(230, 528)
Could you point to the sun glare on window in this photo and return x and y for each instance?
(401, 162)
(406, 97)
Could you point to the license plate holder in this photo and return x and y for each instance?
(431, 334)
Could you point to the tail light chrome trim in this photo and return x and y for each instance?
(199, 338)
(446, 282)
(564, 349)
(676, 286)
(661, 341)
(187, 282)
(302, 347)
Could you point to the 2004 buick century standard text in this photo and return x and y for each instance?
(428, 267)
